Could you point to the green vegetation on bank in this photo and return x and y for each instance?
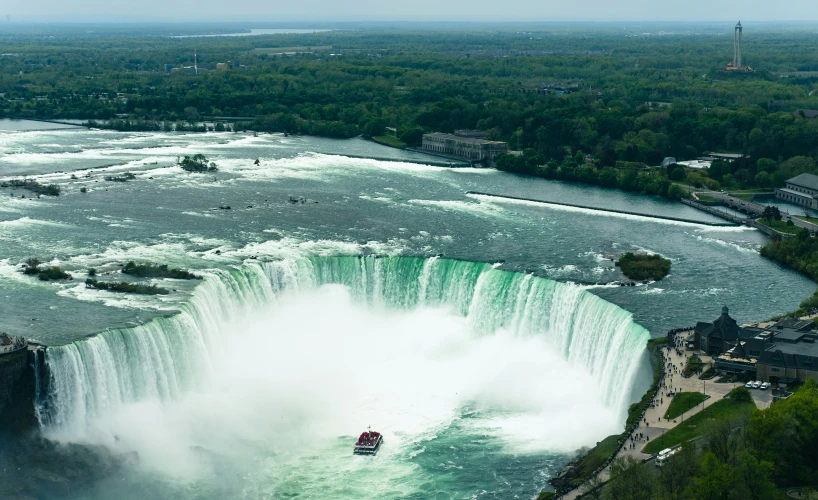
(736, 405)
(157, 271)
(586, 103)
(799, 253)
(33, 186)
(781, 226)
(390, 140)
(644, 267)
(682, 402)
(742, 453)
(121, 286)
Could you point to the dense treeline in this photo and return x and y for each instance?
(638, 98)
(799, 253)
(744, 457)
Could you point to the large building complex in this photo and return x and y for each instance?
(472, 148)
(784, 351)
(801, 190)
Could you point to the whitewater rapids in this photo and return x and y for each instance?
(271, 369)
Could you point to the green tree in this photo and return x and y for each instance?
(630, 480)
(715, 480)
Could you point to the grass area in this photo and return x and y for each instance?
(779, 225)
(748, 195)
(682, 402)
(594, 459)
(696, 425)
(546, 495)
(389, 140)
(811, 220)
(704, 197)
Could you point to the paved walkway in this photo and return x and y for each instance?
(654, 423)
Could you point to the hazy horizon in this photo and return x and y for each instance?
(321, 11)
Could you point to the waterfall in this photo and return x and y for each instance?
(168, 356)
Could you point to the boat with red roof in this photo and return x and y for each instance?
(368, 442)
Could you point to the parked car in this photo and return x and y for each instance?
(765, 386)
(748, 385)
(756, 384)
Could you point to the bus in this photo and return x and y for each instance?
(663, 455)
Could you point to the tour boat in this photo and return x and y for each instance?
(368, 442)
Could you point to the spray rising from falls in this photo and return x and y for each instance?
(168, 358)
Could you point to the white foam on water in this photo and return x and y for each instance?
(728, 244)
(597, 212)
(285, 378)
(481, 209)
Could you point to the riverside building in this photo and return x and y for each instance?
(471, 148)
(801, 190)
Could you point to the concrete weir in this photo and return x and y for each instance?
(650, 216)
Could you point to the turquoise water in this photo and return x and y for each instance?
(471, 331)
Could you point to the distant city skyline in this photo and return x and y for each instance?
(420, 10)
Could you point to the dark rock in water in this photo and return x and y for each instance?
(224, 207)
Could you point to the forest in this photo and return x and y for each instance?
(588, 103)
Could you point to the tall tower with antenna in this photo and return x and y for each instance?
(737, 46)
(196, 64)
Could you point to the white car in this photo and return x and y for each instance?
(748, 385)
(765, 386)
(756, 384)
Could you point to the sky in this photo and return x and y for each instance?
(420, 10)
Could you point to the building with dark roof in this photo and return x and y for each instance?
(783, 352)
(716, 337)
(801, 190)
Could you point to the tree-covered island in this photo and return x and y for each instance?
(642, 267)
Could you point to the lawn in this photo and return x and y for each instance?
(706, 198)
(682, 402)
(696, 425)
(595, 458)
(748, 195)
(779, 226)
(389, 140)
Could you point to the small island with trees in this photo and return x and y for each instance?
(643, 266)
(196, 163)
(32, 267)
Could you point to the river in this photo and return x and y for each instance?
(486, 338)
